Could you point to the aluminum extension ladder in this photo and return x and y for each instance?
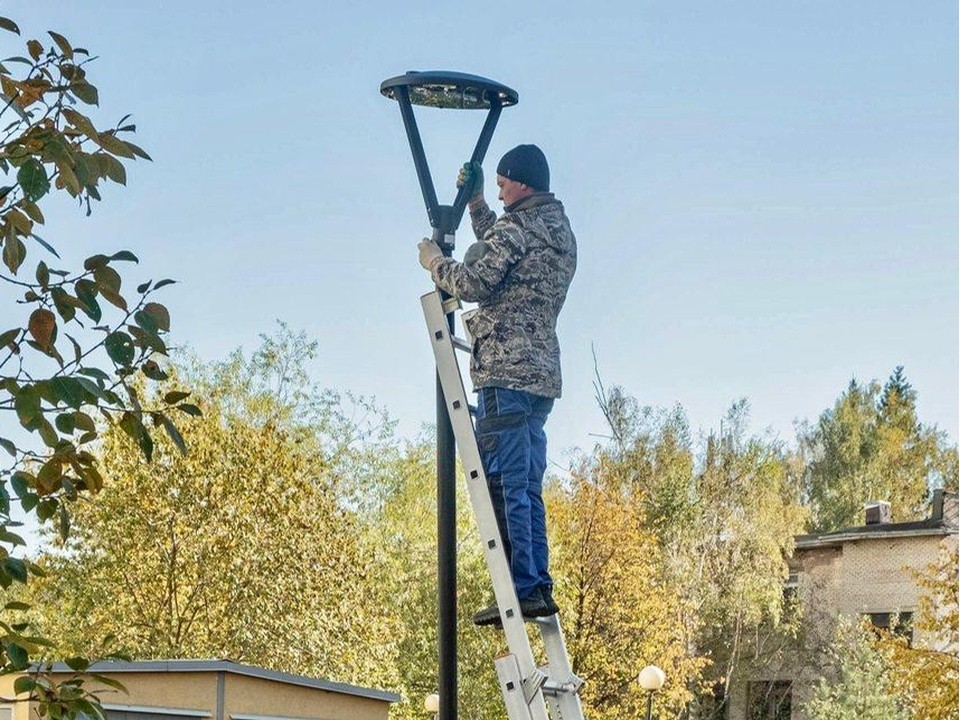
(527, 689)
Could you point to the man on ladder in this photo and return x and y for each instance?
(518, 273)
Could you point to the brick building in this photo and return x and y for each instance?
(858, 572)
(216, 690)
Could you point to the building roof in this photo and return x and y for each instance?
(228, 666)
(938, 524)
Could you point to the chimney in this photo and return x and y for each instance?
(876, 512)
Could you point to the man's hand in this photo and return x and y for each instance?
(430, 253)
(471, 177)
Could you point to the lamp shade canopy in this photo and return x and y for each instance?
(431, 703)
(446, 89)
(651, 678)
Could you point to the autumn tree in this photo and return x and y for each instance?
(618, 613)
(400, 537)
(927, 666)
(77, 341)
(239, 549)
(723, 511)
(871, 446)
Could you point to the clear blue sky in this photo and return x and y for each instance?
(765, 193)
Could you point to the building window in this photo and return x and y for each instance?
(769, 700)
(900, 624)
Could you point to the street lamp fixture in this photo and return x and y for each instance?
(431, 703)
(454, 91)
(651, 679)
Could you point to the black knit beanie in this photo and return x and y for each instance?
(528, 165)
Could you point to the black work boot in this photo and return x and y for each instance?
(546, 592)
(532, 607)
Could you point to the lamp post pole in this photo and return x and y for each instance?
(455, 91)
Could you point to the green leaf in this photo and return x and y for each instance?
(81, 123)
(139, 152)
(27, 405)
(84, 422)
(111, 143)
(163, 283)
(77, 664)
(92, 388)
(95, 261)
(24, 684)
(50, 476)
(45, 245)
(16, 568)
(43, 274)
(62, 43)
(86, 92)
(109, 682)
(63, 524)
(17, 605)
(125, 255)
(8, 446)
(65, 423)
(7, 338)
(147, 340)
(87, 294)
(29, 501)
(63, 302)
(174, 434)
(11, 538)
(10, 25)
(175, 396)
(159, 314)
(77, 351)
(35, 48)
(120, 348)
(21, 482)
(146, 321)
(108, 281)
(114, 298)
(33, 211)
(115, 169)
(69, 391)
(94, 373)
(14, 251)
(134, 428)
(32, 177)
(47, 433)
(190, 409)
(46, 509)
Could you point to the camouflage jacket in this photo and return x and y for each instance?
(519, 283)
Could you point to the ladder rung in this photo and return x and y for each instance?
(450, 305)
(552, 687)
(461, 344)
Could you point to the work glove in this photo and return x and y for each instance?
(430, 253)
(471, 177)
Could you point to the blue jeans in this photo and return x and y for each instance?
(513, 447)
